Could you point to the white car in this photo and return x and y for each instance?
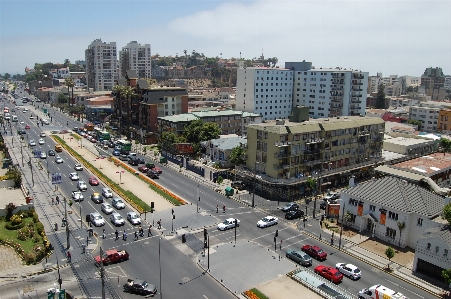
(32, 142)
(228, 223)
(118, 203)
(41, 141)
(43, 155)
(96, 219)
(267, 221)
(74, 176)
(117, 219)
(133, 218)
(77, 196)
(106, 208)
(349, 270)
(107, 192)
(22, 123)
(31, 117)
(82, 186)
(42, 134)
(58, 160)
(78, 167)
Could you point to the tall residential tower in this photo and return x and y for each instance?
(135, 57)
(101, 65)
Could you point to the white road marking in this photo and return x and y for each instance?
(396, 284)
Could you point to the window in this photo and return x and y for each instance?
(420, 222)
(353, 202)
(372, 208)
(393, 215)
(390, 232)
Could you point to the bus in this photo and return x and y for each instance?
(126, 146)
(89, 126)
(103, 135)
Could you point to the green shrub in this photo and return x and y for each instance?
(9, 226)
(30, 212)
(39, 228)
(35, 217)
(29, 258)
(16, 219)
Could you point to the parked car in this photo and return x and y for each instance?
(329, 273)
(74, 176)
(299, 257)
(78, 167)
(118, 203)
(117, 219)
(290, 207)
(77, 196)
(107, 192)
(133, 218)
(315, 251)
(349, 270)
(239, 185)
(95, 197)
(106, 208)
(82, 186)
(294, 214)
(143, 169)
(228, 223)
(93, 181)
(96, 219)
(323, 205)
(267, 221)
(141, 287)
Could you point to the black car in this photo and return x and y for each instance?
(133, 162)
(290, 207)
(23, 132)
(141, 161)
(153, 174)
(138, 286)
(51, 153)
(294, 214)
(323, 205)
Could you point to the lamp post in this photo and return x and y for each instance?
(99, 159)
(120, 176)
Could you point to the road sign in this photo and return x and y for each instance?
(37, 153)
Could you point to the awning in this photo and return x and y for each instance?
(370, 216)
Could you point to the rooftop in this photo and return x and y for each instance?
(407, 141)
(427, 165)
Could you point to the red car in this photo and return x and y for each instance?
(157, 169)
(315, 252)
(93, 140)
(329, 273)
(27, 127)
(93, 181)
(143, 169)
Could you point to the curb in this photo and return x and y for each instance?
(206, 271)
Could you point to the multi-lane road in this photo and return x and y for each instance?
(177, 267)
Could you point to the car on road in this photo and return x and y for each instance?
(42, 134)
(43, 155)
(157, 169)
(116, 153)
(78, 167)
(118, 203)
(133, 162)
(299, 257)
(41, 141)
(106, 208)
(22, 132)
(152, 174)
(290, 207)
(96, 219)
(81, 185)
(133, 218)
(141, 287)
(315, 252)
(123, 157)
(32, 142)
(77, 196)
(228, 223)
(95, 197)
(329, 273)
(27, 127)
(267, 221)
(31, 117)
(93, 140)
(349, 270)
(93, 181)
(51, 153)
(323, 205)
(117, 219)
(74, 176)
(58, 160)
(106, 192)
(294, 214)
(143, 169)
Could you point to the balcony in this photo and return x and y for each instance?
(355, 83)
(312, 151)
(356, 89)
(336, 100)
(356, 95)
(356, 102)
(338, 75)
(337, 82)
(356, 76)
(312, 162)
(313, 140)
(281, 166)
(281, 155)
(282, 144)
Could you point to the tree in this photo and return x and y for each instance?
(311, 184)
(66, 62)
(445, 144)
(70, 84)
(347, 217)
(446, 274)
(129, 93)
(7, 76)
(62, 98)
(237, 155)
(197, 131)
(390, 253)
(380, 99)
(447, 213)
(9, 210)
(415, 122)
(167, 140)
(401, 226)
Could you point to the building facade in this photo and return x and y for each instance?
(135, 57)
(428, 114)
(444, 120)
(101, 65)
(283, 149)
(433, 83)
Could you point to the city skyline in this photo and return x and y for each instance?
(394, 38)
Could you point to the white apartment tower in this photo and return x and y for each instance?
(101, 65)
(329, 92)
(135, 57)
(265, 91)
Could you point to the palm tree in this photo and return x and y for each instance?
(401, 226)
(185, 51)
(70, 84)
(119, 90)
(129, 93)
(310, 184)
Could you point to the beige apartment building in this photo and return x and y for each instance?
(282, 149)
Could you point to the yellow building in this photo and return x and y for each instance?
(444, 121)
(283, 149)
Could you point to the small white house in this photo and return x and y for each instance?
(380, 205)
(219, 149)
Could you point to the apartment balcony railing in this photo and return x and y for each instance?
(357, 76)
(356, 95)
(356, 89)
(282, 144)
(281, 166)
(336, 100)
(356, 102)
(337, 88)
(337, 82)
(312, 151)
(281, 155)
(338, 75)
(314, 140)
(356, 83)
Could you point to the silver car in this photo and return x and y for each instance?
(118, 203)
(106, 192)
(58, 160)
(117, 219)
(299, 257)
(77, 196)
(106, 208)
(96, 219)
(133, 218)
(82, 186)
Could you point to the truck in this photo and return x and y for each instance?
(112, 256)
(378, 291)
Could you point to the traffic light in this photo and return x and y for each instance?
(205, 233)
(236, 222)
(172, 211)
(173, 216)
(277, 233)
(152, 205)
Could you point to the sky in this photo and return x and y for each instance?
(397, 37)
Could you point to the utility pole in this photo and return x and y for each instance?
(102, 273)
(67, 223)
(60, 281)
(236, 224)
(159, 261)
(198, 196)
(341, 227)
(208, 250)
(253, 188)
(21, 153)
(31, 167)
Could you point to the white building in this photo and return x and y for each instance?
(265, 91)
(329, 92)
(378, 205)
(101, 65)
(136, 57)
(427, 113)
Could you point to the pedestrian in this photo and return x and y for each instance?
(223, 209)
(57, 199)
(69, 256)
(136, 236)
(159, 224)
(124, 236)
(117, 235)
(141, 231)
(103, 235)
(217, 208)
(149, 231)
(332, 240)
(53, 201)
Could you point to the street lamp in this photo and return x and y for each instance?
(120, 176)
(100, 158)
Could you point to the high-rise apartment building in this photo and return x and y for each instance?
(433, 83)
(135, 57)
(101, 65)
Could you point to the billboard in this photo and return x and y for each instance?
(183, 148)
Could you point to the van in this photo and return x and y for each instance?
(58, 148)
(132, 156)
(379, 291)
(15, 119)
